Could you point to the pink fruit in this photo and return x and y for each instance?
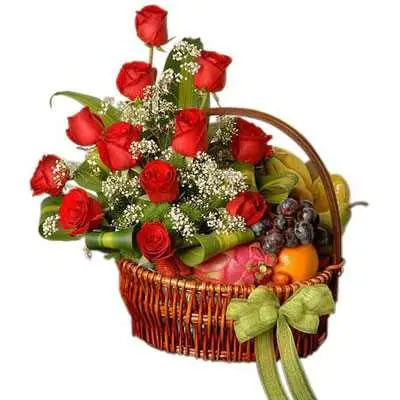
(240, 265)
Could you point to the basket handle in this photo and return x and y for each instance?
(314, 157)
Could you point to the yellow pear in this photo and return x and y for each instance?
(293, 162)
(342, 192)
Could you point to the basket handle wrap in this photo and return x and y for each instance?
(312, 154)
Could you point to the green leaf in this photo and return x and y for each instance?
(95, 104)
(194, 213)
(248, 172)
(207, 246)
(183, 94)
(154, 212)
(50, 207)
(277, 187)
(178, 160)
(86, 176)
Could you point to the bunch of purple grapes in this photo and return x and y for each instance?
(295, 224)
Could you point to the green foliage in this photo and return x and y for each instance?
(248, 172)
(154, 212)
(49, 208)
(178, 160)
(183, 94)
(111, 115)
(194, 214)
(277, 187)
(91, 173)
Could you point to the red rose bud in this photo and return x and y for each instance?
(85, 128)
(250, 143)
(190, 132)
(79, 212)
(159, 180)
(50, 176)
(154, 241)
(211, 75)
(249, 205)
(134, 77)
(114, 146)
(151, 25)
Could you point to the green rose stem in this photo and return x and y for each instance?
(266, 366)
(151, 55)
(119, 240)
(204, 99)
(216, 98)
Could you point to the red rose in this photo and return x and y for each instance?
(80, 212)
(211, 75)
(190, 132)
(159, 180)
(134, 77)
(85, 128)
(250, 143)
(50, 176)
(249, 205)
(154, 241)
(114, 146)
(151, 25)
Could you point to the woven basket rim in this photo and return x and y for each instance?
(195, 285)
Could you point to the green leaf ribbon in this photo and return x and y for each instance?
(104, 241)
(203, 247)
(111, 115)
(257, 317)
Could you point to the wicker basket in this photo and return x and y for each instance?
(186, 317)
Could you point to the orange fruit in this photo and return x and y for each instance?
(299, 263)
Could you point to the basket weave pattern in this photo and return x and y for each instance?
(185, 317)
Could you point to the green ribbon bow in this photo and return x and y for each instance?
(256, 318)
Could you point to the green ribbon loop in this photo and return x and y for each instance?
(256, 318)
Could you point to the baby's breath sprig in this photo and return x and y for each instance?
(60, 172)
(185, 53)
(206, 181)
(118, 185)
(50, 226)
(181, 223)
(129, 217)
(92, 161)
(154, 111)
(221, 222)
(106, 103)
(166, 154)
(145, 148)
(226, 129)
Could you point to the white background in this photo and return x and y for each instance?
(330, 68)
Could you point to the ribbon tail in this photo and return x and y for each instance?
(266, 365)
(294, 372)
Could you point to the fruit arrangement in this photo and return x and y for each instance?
(165, 185)
(180, 198)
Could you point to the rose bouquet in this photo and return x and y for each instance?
(174, 191)
(167, 187)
